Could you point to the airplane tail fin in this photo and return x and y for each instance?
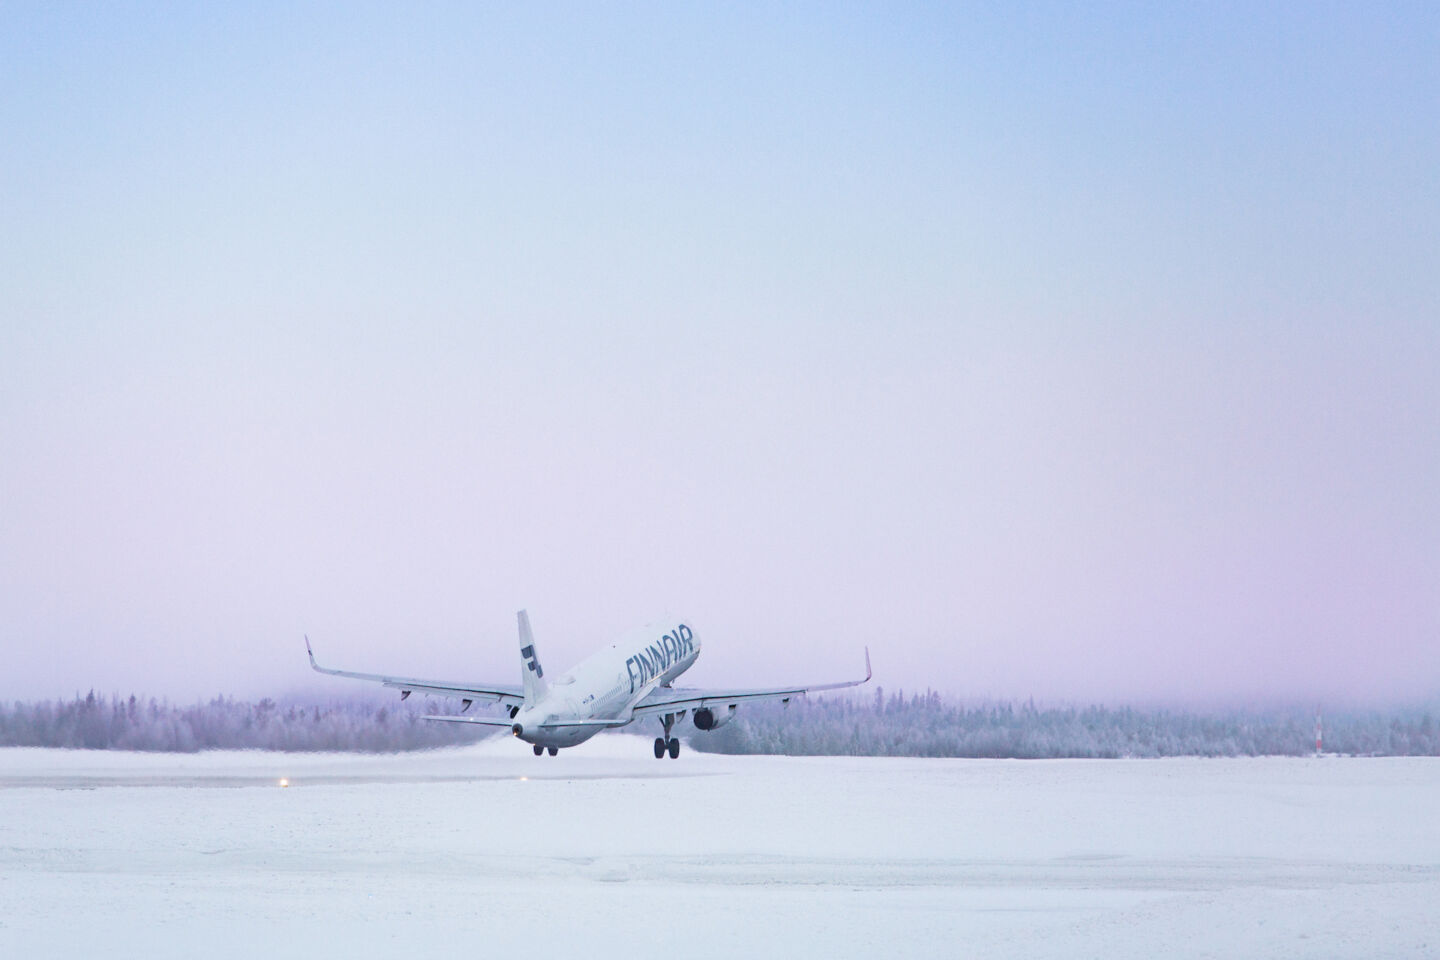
(531, 673)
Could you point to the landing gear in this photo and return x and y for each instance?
(538, 749)
(553, 750)
(667, 743)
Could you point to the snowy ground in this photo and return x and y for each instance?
(606, 851)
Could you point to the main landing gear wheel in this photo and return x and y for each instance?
(538, 749)
(667, 742)
(553, 750)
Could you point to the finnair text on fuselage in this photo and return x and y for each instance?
(660, 656)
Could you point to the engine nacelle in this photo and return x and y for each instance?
(713, 718)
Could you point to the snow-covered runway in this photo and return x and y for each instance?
(608, 852)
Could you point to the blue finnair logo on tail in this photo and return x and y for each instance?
(660, 656)
(528, 655)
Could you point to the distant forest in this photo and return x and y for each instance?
(920, 725)
(928, 725)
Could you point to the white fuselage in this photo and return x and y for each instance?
(607, 685)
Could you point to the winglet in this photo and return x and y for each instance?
(311, 653)
(868, 672)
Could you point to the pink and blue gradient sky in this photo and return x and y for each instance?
(1083, 353)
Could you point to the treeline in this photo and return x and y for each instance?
(96, 723)
(927, 725)
(920, 725)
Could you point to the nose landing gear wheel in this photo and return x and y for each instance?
(659, 747)
(538, 749)
(675, 748)
(553, 750)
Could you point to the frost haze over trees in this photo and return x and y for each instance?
(920, 725)
(96, 723)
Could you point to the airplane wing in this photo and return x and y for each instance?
(511, 695)
(663, 700)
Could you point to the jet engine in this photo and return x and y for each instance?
(713, 718)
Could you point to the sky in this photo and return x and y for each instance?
(1083, 352)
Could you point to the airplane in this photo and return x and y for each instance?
(627, 681)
